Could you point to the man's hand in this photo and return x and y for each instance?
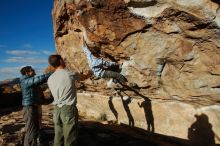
(85, 40)
(49, 69)
(86, 76)
(90, 73)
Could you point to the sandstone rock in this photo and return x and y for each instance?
(217, 18)
(173, 118)
(169, 49)
(148, 12)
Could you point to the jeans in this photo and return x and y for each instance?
(114, 75)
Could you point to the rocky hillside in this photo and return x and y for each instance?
(10, 93)
(170, 54)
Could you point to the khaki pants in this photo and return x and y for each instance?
(66, 125)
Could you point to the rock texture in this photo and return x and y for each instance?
(169, 49)
(171, 118)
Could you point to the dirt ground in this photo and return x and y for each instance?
(91, 132)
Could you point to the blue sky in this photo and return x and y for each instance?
(26, 35)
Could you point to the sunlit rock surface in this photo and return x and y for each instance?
(169, 50)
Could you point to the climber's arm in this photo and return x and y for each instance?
(81, 77)
(85, 76)
(94, 61)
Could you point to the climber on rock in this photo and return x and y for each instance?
(102, 68)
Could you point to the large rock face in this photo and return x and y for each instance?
(169, 49)
(199, 125)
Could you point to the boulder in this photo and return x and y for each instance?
(169, 50)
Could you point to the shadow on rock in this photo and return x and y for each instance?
(125, 103)
(112, 108)
(7, 111)
(10, 99)
(200, 133)
(146, 105)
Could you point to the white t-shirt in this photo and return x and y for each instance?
(62, 86)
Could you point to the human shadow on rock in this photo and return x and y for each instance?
(146, 105)
(200, 132)
(125, 103)
(112, 108)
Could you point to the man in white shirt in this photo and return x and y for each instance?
(63, 89)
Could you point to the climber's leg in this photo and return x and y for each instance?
(114, 75)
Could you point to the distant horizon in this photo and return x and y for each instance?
(26, 36)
